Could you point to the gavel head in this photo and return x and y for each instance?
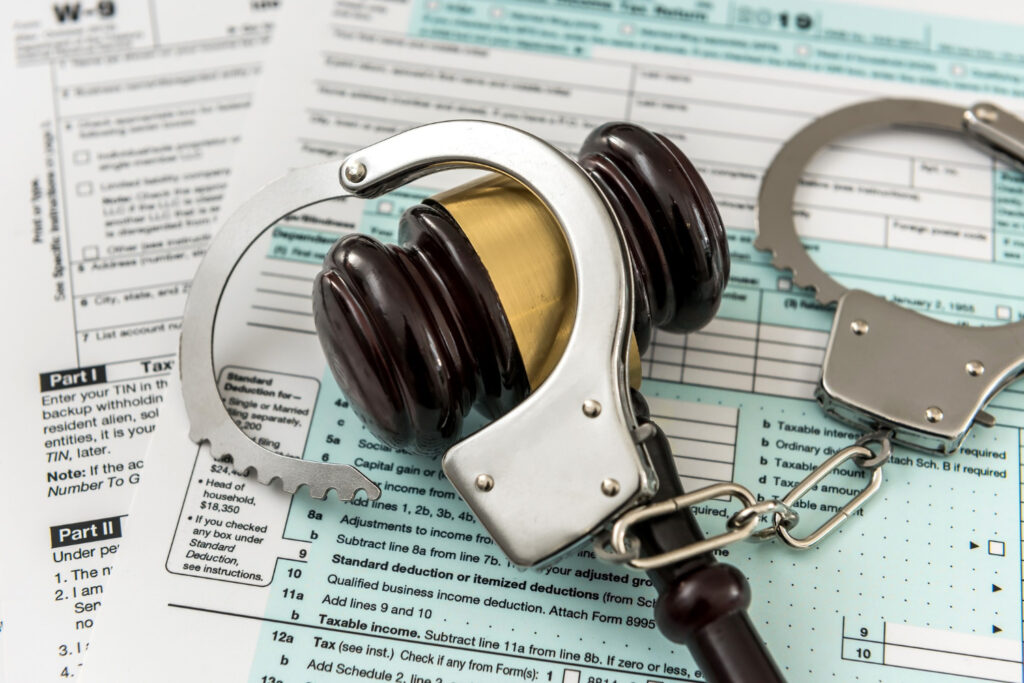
(474, 306)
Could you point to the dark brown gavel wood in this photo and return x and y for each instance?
(701, 603)
(417, 336)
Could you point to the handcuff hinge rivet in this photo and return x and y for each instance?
(484, 482)
(591, 408)
(355, 171)
(975, 368)
(934, 414)
(986, 114)
(859, 327)
(610, 487)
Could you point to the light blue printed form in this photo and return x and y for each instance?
(924, 584)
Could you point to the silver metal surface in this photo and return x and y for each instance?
(883, 438)
(591, 408)
(811, 480)
(619, 546)
(776, 231)
(354, 172)
(788, 517)
(908, 374)
(887, 367)
(603, 550)
(622, 549)
(208, 418)
(985, 419)
(998, 131)
(610, 487)
(546, 456)
(546, 451)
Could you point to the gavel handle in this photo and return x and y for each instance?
(701, 603)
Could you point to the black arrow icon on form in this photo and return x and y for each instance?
(996, 589)
(996, 629)
(973, 545)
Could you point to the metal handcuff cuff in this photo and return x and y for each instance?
(875, 375)
(551, 432)
(580, 449)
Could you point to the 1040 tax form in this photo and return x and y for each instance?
(245, 583)
(118, 151)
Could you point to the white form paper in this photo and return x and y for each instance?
(4, 263)
(122, 120)
(3, 669)
(252, 585)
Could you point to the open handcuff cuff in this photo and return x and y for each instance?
(900, 376)
(580, 468)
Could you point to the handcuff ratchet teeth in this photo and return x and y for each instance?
(887, 367)
(571, 436)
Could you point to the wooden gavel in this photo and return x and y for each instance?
(474, 307)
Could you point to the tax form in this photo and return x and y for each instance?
(3, 676)
(255, 585)
(123, 119)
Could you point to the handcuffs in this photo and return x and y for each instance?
(887, 367)
(575, 431)
(889, 371)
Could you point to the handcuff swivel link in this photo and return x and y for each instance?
(618, 545)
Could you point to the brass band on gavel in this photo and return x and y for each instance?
(524, 252)
(474, 306)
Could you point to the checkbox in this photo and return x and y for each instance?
(571, 676)
(784, 284)
(997, 548)
(90, 253)
(84, 188)
(1003, 312)
(81, 157)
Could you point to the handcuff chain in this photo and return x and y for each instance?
(618, 545)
